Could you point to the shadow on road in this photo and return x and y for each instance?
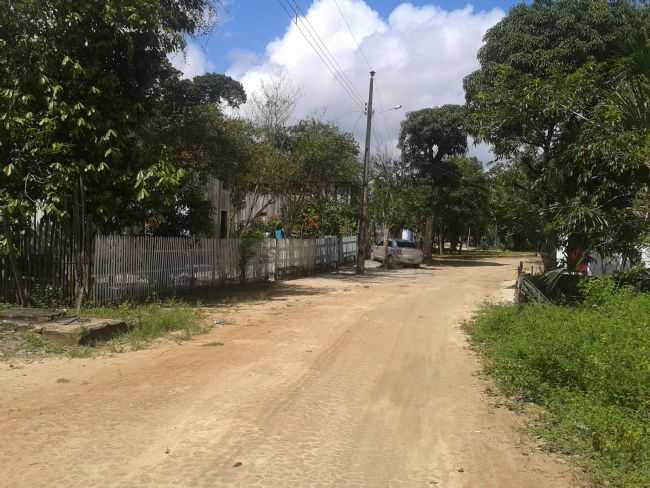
(460, 262)
(294, 287)
(250, 293)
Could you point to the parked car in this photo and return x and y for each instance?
(399, 252)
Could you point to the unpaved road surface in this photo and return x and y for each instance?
(336, 381)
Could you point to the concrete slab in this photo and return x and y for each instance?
(82, 331)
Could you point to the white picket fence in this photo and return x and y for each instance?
(136, 267)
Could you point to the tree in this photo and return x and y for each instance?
(78, 81)
(517, 217)
(271, 109)
(388, 181)
(188, 119)
(465, 207)
(427, 139)
(323, 169)
(538, 98)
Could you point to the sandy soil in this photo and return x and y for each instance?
(336, 381)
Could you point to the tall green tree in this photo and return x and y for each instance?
(78, 81)
(517, 218)
(465, 208)
(428, 138)
(188, 119)
(540, 99)
(322, 173)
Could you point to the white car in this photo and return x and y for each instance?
(399, 252)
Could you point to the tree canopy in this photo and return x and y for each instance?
(78, 83)
(553, 96)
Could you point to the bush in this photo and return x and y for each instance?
(589, 366)
(637, 278)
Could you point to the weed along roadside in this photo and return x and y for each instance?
(143, 324)
(588, 367)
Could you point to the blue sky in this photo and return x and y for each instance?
(249, 25)
(420, 49)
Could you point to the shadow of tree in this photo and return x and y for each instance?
(235, 294)
(460, 262)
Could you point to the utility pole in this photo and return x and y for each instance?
(363, 222)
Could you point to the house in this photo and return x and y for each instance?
(600, 266)
(226, 217)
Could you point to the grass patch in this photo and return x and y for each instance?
(588, 367)
(147, 322)
(150, 321)
(30, 345)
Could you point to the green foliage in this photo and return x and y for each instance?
(321, 170)
(82, 85)
(567, 107)
(151, 321)
(429, 139)
(637, 278)
(429, 136)
(589, 366)
(466, 203)
(518, 217)
(249, 240)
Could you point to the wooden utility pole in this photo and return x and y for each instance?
(363, 221)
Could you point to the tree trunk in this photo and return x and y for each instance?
(21, 293)
(441, 241)
(79, 237)
(548, 252)
(385, 263)
(427, 239)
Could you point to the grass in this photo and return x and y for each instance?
(149, 322)
(32, 345)
(588, 367)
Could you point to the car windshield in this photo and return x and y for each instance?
(406, 244)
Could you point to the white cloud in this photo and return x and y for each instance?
(192, 61)
(421, 55)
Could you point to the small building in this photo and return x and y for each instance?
(226, 217)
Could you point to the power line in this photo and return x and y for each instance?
(363, 55)
(328, 64)
(382, 133)
(305, 19)
(356, 124)
(311, 30)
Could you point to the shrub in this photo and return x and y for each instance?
(637, 278)
(589, 366)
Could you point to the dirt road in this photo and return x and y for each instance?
(337, 381)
